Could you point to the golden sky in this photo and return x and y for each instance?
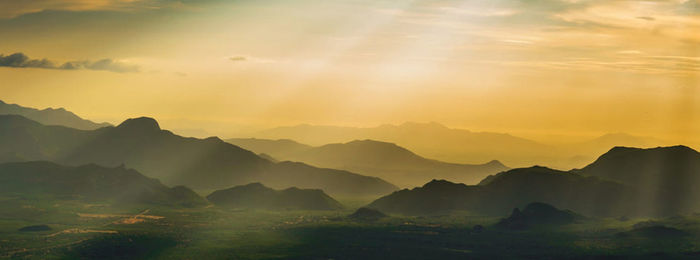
(570, 67)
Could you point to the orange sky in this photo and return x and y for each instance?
(526, 67)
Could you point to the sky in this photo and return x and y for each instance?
(529, 67)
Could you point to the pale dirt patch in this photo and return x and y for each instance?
(81, 231)
(126, 219)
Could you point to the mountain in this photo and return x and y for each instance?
(432, 140)
(139, 143)
(91, 183)
(537, 214)
(256, 195)
(668, 175)
(584, 152)
(50, 116)
(622, 182)
(437, 141)
(618, 139)
(510, 189)
(280, 149)
(367, 214)
(384, 160)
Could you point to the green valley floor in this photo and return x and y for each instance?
(79, 230)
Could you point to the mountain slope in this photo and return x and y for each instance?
(91, 183)
(507, 190)
(385, 160)
(439, 142)
(668, 175)
(624, 181)
(280, 149)
(199, 163)
(537, 214)
(429, 139)
(256, 195)
(50, 116)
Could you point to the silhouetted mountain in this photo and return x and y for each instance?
(90, 183)
(624, 181)
(385, 160)
(268, 157)
(367, 214)
(340, 182)
(437, 141)
(281, 149)
(537, 214)
(603, 143)
(584, 152)
(432, 140)
(506, 190)
(669, 176)
(256, 195)
(199, 163)
(50, 116)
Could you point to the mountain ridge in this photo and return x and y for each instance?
(141, 144)
(376, 158)
(51, 116)
(91, 182)
(257, 195)
(622, 182)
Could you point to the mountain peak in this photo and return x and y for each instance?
(140, 123)
(622, 149)
(496, 163)
(442, 185)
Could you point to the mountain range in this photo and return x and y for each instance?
(437, 141)
(622, 182)
(385, 160)
(139, 143)
(50, 116)
(89, 183)
(256, 195)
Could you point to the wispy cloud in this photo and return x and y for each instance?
(639, 64)
(238, 58)
(14, 8)
(248, 58)
(20, 60)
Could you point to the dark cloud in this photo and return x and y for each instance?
(20, 60)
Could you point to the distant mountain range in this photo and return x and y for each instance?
(139, 143)
(89, 183)
(622, 182)
(431, 140)
(437, 141)
(256, 195)
(50, 116)
(381, 159)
